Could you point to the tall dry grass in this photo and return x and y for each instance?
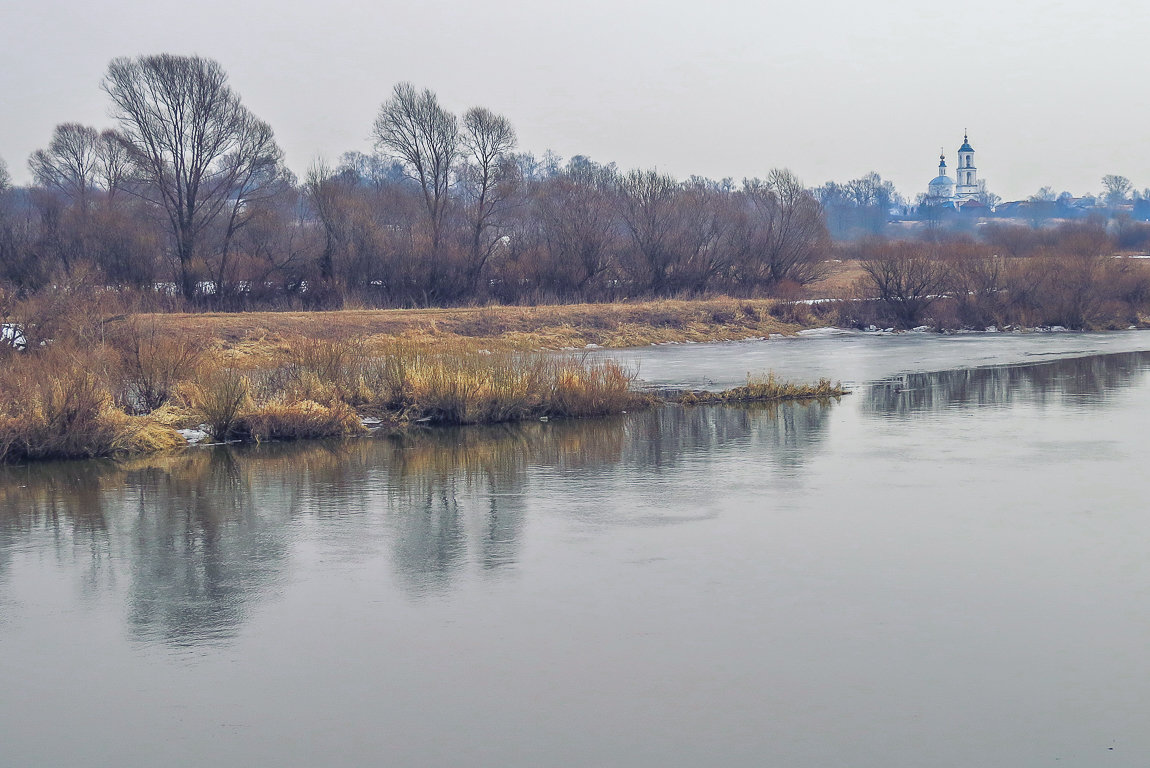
(59, 404)
(131, 391)
(450, 382)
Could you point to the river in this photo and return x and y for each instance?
(947, 568)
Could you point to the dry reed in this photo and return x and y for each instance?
(768, 388)
(131, 394)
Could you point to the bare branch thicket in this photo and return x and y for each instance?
(577, 229)
(905, 279)
(194, 148)
(647, 208)
(785, 234)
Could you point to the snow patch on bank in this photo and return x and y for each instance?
(194, 436)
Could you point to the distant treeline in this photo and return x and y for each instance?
(186, 201)
(188, 195)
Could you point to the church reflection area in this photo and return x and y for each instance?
(191, 543)
(1084, 382)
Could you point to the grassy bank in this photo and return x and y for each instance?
(515, 328)
(133, 391)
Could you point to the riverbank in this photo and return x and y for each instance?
(147, 389)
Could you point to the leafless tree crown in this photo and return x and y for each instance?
(193, 148)
(415, 129)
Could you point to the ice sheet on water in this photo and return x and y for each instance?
(827, 332)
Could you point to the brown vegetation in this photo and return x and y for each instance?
(1075, 279)
(447, 212)
(631, 324)
(127, 395)
(766, 389)
(136, 382)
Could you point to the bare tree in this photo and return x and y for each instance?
(577, 226)
(259, 177)
(421, 134)
(113, 162)
(490, 178)
(1116, 189)
(5, 178)
(648, 211)
(707, 212)
(324, 193)
(193, 144)
(70, 164)
(786, 231)
(985, 196)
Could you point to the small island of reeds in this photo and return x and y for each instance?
(764, 389)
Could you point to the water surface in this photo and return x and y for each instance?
(947, 568)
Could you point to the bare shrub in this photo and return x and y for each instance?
(154, 363)
(220, 395)
(905, 280)
(75, 310)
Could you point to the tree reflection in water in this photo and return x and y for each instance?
(198, 538)
(65, 502)
(1084, 381)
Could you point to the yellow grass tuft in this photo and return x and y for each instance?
(298, 421)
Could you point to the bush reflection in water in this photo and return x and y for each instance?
(196, 539)
(1083, 381)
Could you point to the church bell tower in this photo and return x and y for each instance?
(966, 183)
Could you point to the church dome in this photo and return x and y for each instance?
(966, 147)
(941, 186)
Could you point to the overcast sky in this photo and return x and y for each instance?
(1052, 93)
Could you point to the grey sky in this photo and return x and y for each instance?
(1052, 92)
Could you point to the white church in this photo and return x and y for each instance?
(964, 187)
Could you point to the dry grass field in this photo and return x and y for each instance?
(839, 283)
(259, 335)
